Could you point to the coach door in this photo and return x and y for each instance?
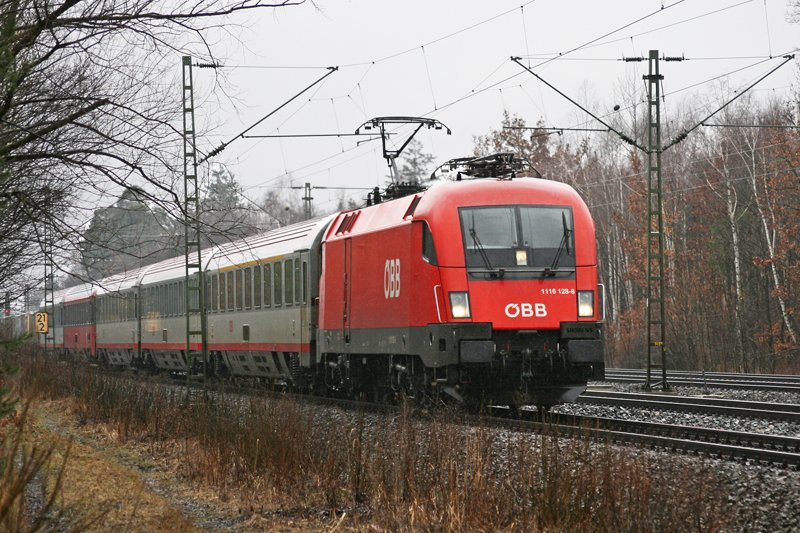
(137, 332)
(348, 286)
(301, 279)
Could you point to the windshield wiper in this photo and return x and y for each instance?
(492, 272)
(550, 272)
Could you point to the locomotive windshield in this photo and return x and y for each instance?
(505, 241)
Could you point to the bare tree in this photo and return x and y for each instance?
(88, 108)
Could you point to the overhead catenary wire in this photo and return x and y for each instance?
(683, 135)
(561, 56)
(621, 135)
(224, 145)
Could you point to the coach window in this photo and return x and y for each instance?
(257, 287)
(229, 289)
(239, 288)
(277, 286)
(221, 293)
(267, 285)
(214, 290)
(287, 282)
(248, 288)
(298, 285)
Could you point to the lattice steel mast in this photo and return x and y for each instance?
(196, 320)
(656, 314)
(49, 284)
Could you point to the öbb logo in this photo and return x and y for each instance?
(526, 310)
(391, 278)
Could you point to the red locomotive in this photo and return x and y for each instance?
(485, 290)
(476, 290)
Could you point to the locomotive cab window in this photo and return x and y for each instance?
(517, 239)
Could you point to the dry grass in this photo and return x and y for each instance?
(395, 474)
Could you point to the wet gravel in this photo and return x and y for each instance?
(750, 425)
(760, 497)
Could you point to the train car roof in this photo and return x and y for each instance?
(268, 246)
(76, 293)
(120, 281)
(271, 245)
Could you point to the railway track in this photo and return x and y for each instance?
(731, 445)
(723, 444)
(724, 380)
(717, 406)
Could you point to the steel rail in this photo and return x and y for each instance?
(731, 383)
(726, 376)
(717, 406)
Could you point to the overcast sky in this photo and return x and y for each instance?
(449, 60)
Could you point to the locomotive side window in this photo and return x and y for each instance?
(248, 288)
(277, 285)
(428, 249)
(267, 285)
(257, 287)
(229, 290)
(287, 282)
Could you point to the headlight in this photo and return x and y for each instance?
(522, 257)
(585, 303)
(459, 304)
